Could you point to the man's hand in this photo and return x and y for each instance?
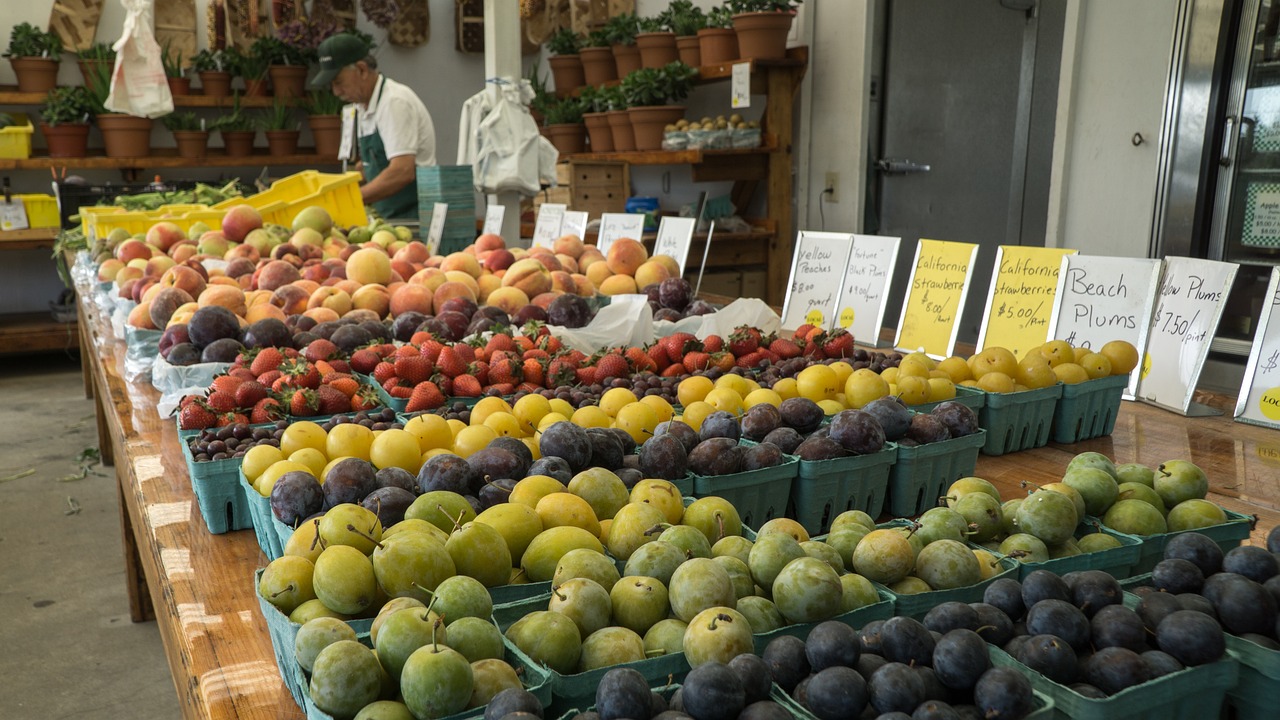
(399, 172)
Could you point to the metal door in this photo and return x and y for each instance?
(967, 128)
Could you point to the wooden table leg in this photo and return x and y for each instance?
(86, 350)
(106, 450)
(140, 607)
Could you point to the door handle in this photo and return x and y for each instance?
(1224, 158)
(900, 167)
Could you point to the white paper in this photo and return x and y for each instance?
(547, 228)
(675, 235)
(439, 212)
(866, 286)
(13, 215)
(740, 86)
(493, 217)
(574, 223)
(346, 150)
(817, 275)
(1259, 398)
(619, 225)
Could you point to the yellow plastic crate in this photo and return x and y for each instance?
(338, 193)
(42, 210)
(15, 140)
(98, 222)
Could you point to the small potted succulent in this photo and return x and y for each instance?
(64, 121)
(34, 55)
(685, 20)
(595, 115)
(252, 67)
(622, 30)
(762, 27)
(123, 135)
(285, 63)
(598, 65)
(717, 42)
(237, 129)
(649, 93)
(300, 40)
(564, 126)
(566, 65)
(94, 55)
(324, 117)
(624, 139)
(174, 71)
(656, 41)
(214, 72)
(189, 134)
(281, 129)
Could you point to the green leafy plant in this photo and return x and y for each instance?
(683, 18)
(746, 6)
(322, 102)
(27, 40)
(542, 98)
(720, 17)
(271, 50)
(236, 120)
(97, 51)
(652, 24)
(210, 61)
(622, 29)
(278, 117)
(250, 65)
(67, 106)
(181, 122)
(172, 61)
(591, 99)
(598, 38)
(611, 98)
(658, 86)
(564, 42)
(565, 111)
(97, 87)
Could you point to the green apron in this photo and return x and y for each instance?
(373, 154)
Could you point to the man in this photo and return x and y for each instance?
(393, 126)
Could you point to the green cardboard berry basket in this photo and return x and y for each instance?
(855, 619)
(825, 488)
(1227, 535)
(1254, 696)
(262, 516)
(1118, 562)
(759, 495)
(579, 689)
(919, 604)
(921, 474)
(973, 397)
(1194, 693)
(1088, 409)
(216, 484)
(1019, 420)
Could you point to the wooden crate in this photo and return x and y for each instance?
(599, 187)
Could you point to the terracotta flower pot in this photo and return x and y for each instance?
(289, 81)
(567, 73)
(598, 65)
(282, 142)
(717, 45)
(657, 49)
(627, 59)
(688, 47)
(238, 143)
(763, 35)
(569, 139)
(620, 128)
(125, 135)
(68, 140)
(255, 88)
(191, 144)
(89, 69)
(179, 85)
(649, 123)
(35, 74)
(326, 130)
(215, 83)
(599, 132)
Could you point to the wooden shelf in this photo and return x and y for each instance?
(797, 59)
(673, 157)
(31, 239)
(168, 158)
(35, 332)
(9, 95)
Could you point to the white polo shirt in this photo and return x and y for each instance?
(396, 113)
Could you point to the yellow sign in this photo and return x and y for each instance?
(935, 297)
(814, 318)
(1023, 290)
(846, 318)
(1269, 404)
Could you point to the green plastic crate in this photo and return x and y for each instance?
(825, 488)
(1020, 420)
(973, 397)
(923, 473)
(1195, 693)
(262, 516)
(1254, 696)
(759, 495)
(855, 619)
(216, 484)
(1118, 562)
(578, 690)
(1228, 535)
(1088, 409)
(919, 605)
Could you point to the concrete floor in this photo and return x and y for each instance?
(69, 649)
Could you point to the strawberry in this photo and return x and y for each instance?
(500, 389)
(266, 410)
(340, 366)
(466, 386)
(196, 416)
(500, 341)
(577, 357)
(320, 349)
(221, 402)
(400, 392)
(302, 402)
(249, 393)
(802, 332)
(366, 398)
(750, 360)
(640, 360)
(450, 363)
(480, 370)
(658, 354)
(838, 343)
(330, 400)
(413, 367)
(584, 376)
(549, 342)
(226, 419)
(302, 374)
(744, 340)
(524, 343)
(225, 383)
(722, 360)
(697, 360)
(269, 378)
(290, 353)
(425, 396)
(364, 361)
(769, 356)
(266, 360)
(674, 370)
(346, 385)
(527, 387)
(445, 383)
(383, 371)
(785, 349)
(420, 337)
(713, 344)
(677, 344)
(560, 373)
(505, 371)
(242, 372)
(465, 352)
(536, 354)
(612, 365)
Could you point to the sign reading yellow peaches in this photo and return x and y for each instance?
(1021, 301)
(935, 297)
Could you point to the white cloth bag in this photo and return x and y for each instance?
(138, 85)
(511, 155)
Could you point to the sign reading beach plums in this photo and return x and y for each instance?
(1259, 399)
(817, 273)
(935, 298)
(1021, 299)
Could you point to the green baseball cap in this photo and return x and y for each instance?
(336, 53)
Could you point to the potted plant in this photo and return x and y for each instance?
(566, 65)
(94, 55)
(717, 42)
(564, 126)
(189, 134)
(542, 97)
(281, 129)
(649, 93)
(286, 64)
(34, 55)
(237, 130)
(598, 65)
(762, 27)
(301, 39)
(252, 68)
(620, 132)
(64, 121)
(174, 72)
(324, 116)
(214, 72)
(622, 30)
(595, 108)
(123, 135)
(685, 20)
(656, 41)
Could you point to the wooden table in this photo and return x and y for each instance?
(198, 587)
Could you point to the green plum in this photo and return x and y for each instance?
(610, 646)
(1049, 516)
(770, 554)
(967, 485)
(1025, 548)
(1098, 541)
(1195, 513)
(344, 580)
(436, 681)
(461, 596)
(350, 524)
(698, 584)
(761, 613)
(1145, 493)
(602, 489)
(853, 517)
(475, 638)
(982, 514)
(543, 554)
(585, 563)
(1097, 486)
(1093, 460)
(631, 528)
(549, 638)
(446, 510)
(941, 523)
(584, 602)
(808, 590)
(1179, 480)
(1135, 517)
(1136, 473)
(1009, 516)
(734, 546)
(825, 553)
(947, 564)
(884, 556)
(714, 517)
(717, 634)
(857, 592)
(688, 539)
(316, 635)
(384, 710)
(313, 609)
(345, 677)
(412, 565)
(490, 677)
(480, 551)
(910, 585)
(666, 637)
(1069, 548)
(286, 582)
(739, 575)
(845, 539)
(403, 632)
(638, 602)
(1065, 489)
(658, 559)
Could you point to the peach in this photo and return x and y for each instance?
(247, 252)
(283, 250)
(315, 272)
(331, 298)
(411, 298)
(348, 286)
(465, 279)
(499, 259)
(140, 263)
(240, 221)
(461, 262)
(567, 262)
(125, 289)
(291, 298)
(126, 273)
(239, 266)
(562, 281)
(322, 314)
(183, 251)
(490, 241)
(108, 269)
(165, 303)
(277, 273)
(543, 300)
(140, 317)
(133, 249)
(434, 261)
(673, 267)
(529, 275)
(310, 252)
(308, 285)
(306, 236)
(337, 267)
(217, 277)
(597, 272)
(150, 292)
(430, 278)
(618, 285)
(583, 286)
(369, 266)
(165, 235)
(230, 297)
(625, 256)
(548, 261)
(348, 251)
(509, 299)
(213, 244)
(261, 240)
(650, 273)
(570, 245)
(373, 297)
(262, 311)
(413, 253)
(402, 268)
(487, 284)
(141, 287)
(185, 278)
(362, 314)
(451, 289)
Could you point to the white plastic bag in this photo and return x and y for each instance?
(138, 84)
(743, 311)
(176, 381)
(511, 155)
(627, 321)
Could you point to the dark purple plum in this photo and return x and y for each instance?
(1113, 669)
(629, 475)
(461, 305)
(761, 456)
(396, 477)
(447, 472)
(959, 418)
(664, 457)
(174, 334)
(569, 310)
(389, 504)
(927, 429)
(720, 424)
(348, 481)
(700, 307)
(785, 438)
(625, 441)
(183, 354)
(213, 322)
(820, 448)
(223, 350)
(858, 432)
(682, 432)
(606, 451)
(268, 332)
(716, 456)
(568, 441)
(295, 496)
(350, 338)
(802, 414)
(529, 313)
(517, 448)
(496, 492)
(455, 324)
(667, 314)
(406, 324)
(892, 414)
(494, 463)
(675, 293)
(759, 421)
(552, 466)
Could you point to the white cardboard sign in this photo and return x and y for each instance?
(817, 276)
(675, 235)
(866, 286)
(575, 223)
(493, 217)
(547, 227)
(439, 212)
(619, 225)
(1259, 400)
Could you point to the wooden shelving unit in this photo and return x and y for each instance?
(9, 95)
(31, 239)
(165, 158)
(35, 332)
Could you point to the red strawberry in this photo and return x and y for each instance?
(269, 378)
(785, 349)
(225, 383)
(480, 370)
(744, 340)
(196, 416)
(266, 410)
(640, 360)
(420, 337)
(612, 365)
(536, 354)
(425, 396)
(722, 360)
(243, 373)
(674, 370)
(266, 360)
(560, 373)
(838, 344)
(450, 363)
(341, 366)
(414, 368)
(222, 402)
(713, 344)
(500, 341)
(383, 371)
(697, 360)
(505, 371)
(528, 387)
(658, 353)
(366, 398)
(466, 386)
(303, 403)
(364, 361)
(345, 384)
(249, 393)
(584, 376)
(445, 383)
(802, 332)
(302, 374)
(226, 419)
(770, 356)
(330, 400)
(677, 344)
(500, 389)
(400, 392)
(465, 352)
(549, 342)
(320, 349)
(750, 359)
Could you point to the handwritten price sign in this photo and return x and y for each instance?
(1023, 288)
(935, 297)
(1259, 398)
(817, 269)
